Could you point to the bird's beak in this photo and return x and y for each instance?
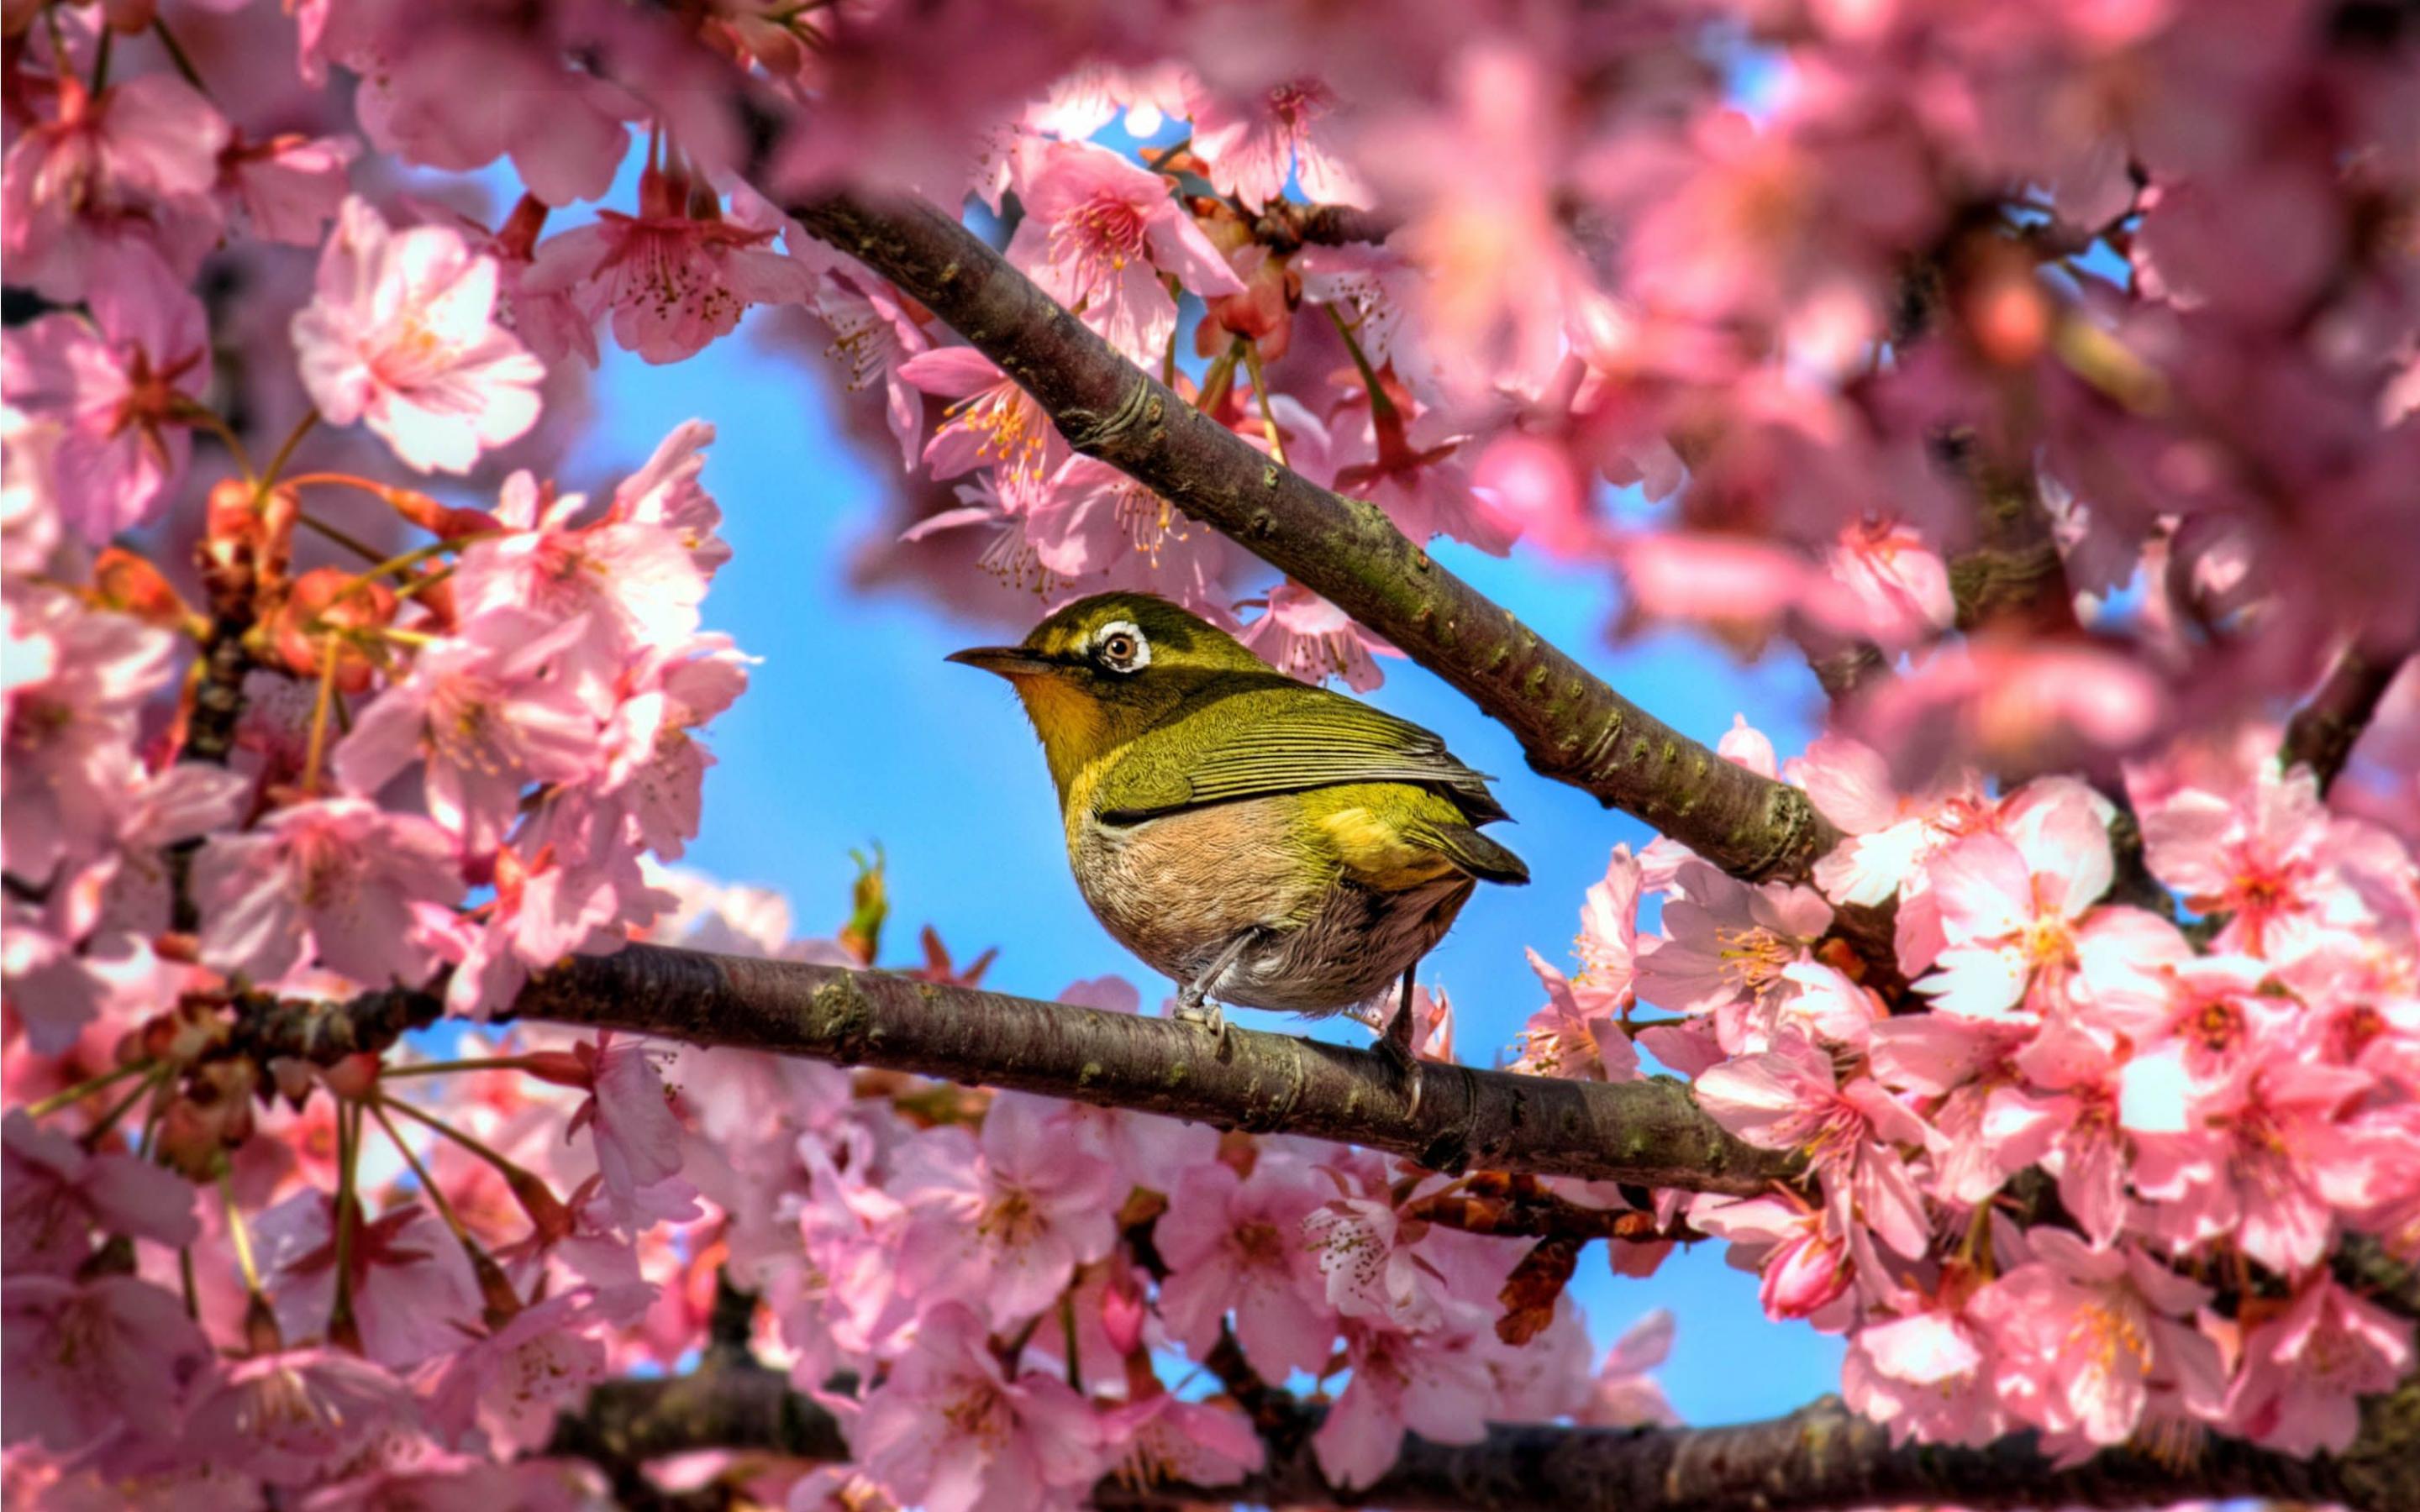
(1005, 661)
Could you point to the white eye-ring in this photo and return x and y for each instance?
(1120, 646)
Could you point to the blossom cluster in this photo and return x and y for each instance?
(2086, 1173)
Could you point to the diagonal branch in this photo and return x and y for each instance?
(1817, 1458)
(1574, 727)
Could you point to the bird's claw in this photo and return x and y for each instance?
(1408, 1067)
(1192, 1007)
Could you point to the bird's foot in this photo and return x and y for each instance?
(1407, 1068)
(1395, 1044)
(1192, 1007)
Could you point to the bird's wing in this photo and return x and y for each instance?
(1278, 736)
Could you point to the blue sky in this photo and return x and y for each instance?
(855, 731)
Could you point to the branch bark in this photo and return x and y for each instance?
(1574, 727)
(1649, 1133)
(2324, 730)
(1820, 1457)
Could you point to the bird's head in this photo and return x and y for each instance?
(1105, 668)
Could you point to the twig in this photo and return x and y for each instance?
(2324, 730)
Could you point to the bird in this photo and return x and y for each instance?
(1263, 842)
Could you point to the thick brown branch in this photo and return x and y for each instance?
(1574, 727)
(1819, 1457)
(1648, 1133)
(2324, 730)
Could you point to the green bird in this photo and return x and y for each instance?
(1263, 842)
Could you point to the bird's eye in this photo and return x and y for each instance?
(1121, 648)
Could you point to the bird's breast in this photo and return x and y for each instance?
(1173, 885)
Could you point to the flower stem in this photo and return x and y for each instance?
(500, 1162)
(101, 57)
(343, 1329)
(358, 548)
(83, 1089)
(100, 1131)
(427, 1182)
(440, 1068)
(320, 705)
(286, 450)
(210, 420)
(1261, 392)
(184, 65)
(397, 566)
(239, 1237)
(1067, 1333)
(1382, 405)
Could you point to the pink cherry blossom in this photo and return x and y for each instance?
(290, 186)
(636, 1135)
(994, 424)
(1928, 1375)
(1254, 146)
(57, 1197)
(1625, 1394)
(401, 335)
(948, 1429)
(1435, 1385)
(2088, 1338)
(1374, 1268)
(636, 573)
(674, 281)
(504, 1389)
(1804, 1265)
(116, 384)
(1565, 1039)
(1099, 231)
(1901, 583)
(1235, 1244)
(2022, 706)
(1305, 636)
(485, 714)
(1164, 1438)
(77, 1353)
(76, 679)
(413, 1294)
(872, 336)
(2069, 1122)
(1729, 950)
(1484, 226)
(121, 172)
(2257, 858)
(543, 911)
(334, 883)
(2011, 902)
(2262, 1162)
(2306, 1368)
(1889, 834)
(296, 1417)
(1009, 1221)
(1789, 1098)
(652, 784)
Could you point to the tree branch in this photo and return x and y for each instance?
(2324, 730)
(1574, 727)
(1648, 1133)
(1820, 1457)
